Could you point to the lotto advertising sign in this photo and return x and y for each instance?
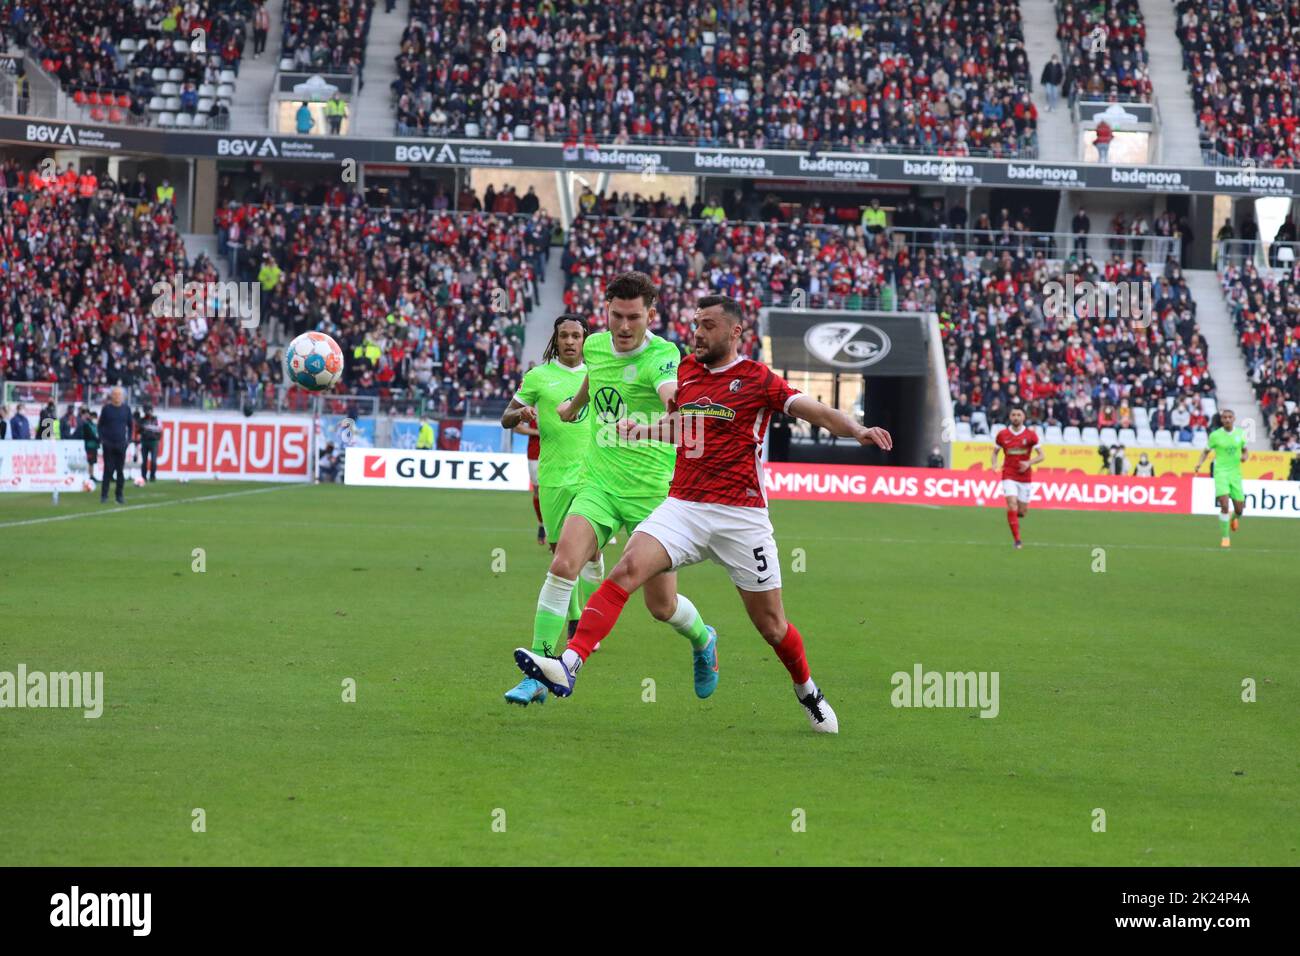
(1264, 499)
(974, 456)
(938, 486)
(260, 448)
(42, 465)
(404, 468)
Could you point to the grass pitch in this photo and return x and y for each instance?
(1119, 690)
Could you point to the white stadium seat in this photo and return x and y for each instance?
(227, 76)
(176, 75)
(1070, 435)
(127, 46)
(157, 104)
(286, 64)
(181, 46)
(207, 90)
(159, 74)
(225, 91)
(963, 431)
(1164, 438)
(1145, 436)
(170, 89)
(1108, 436)
(1128, 436)
(1052, 435)
(1200, 438)
(166, 119)
(1140, 417)
(184, 119)
(205, 105)
(1209, 407)
(1090, 436)
(979, 423)
(173, 103)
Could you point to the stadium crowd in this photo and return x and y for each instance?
(1105, 46)
(1265, 310)
(424, 300)
(108, 54)
(888, 75)
(326, 36)
(1243, 64)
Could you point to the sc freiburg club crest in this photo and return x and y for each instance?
(847, 344)
(609, 404)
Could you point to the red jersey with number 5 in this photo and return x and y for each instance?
(725, 413)
(1016, 447)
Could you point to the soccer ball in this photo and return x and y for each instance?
(138, 481)
(313, 361)
(87, 485)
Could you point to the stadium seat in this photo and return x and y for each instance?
(1209, 407)
(184, 120)
(1108, 436)
(128, 45)
(523, 131)
(124, 101)
(157, 104)
(963, 431)
(173, 104)
(115, 115)
(1164, 439)
(176, 75)
(1141, 418)
(1052, 435)
(97, 114)
(1200, 438)
(226, 76)
(169, 89)
(472, 131)
(286, 64)
(225, 91)
(205, 106)
(166, 119)
(181, 46)
(207, 90)
(159, 74)
(1145, 436)
(1128, 436)
(979, 423)
(1090, 435)
(1070, 435)
(80, 98)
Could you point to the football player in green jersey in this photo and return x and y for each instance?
(1229, 447)
(560, 461)
(631, 373)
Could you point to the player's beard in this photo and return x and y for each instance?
(711, 355)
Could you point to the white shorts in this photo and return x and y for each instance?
(739, 539)
(532, 472)
(1020, 490)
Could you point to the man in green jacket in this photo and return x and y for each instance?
(88, 432)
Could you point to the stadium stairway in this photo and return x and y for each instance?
(372, 111)
(538, 331)
(1056, 133)
(1178, 127)
(248, 110)
(197, 244)
(1227, 366)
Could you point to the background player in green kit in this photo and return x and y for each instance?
(1229, 447)
(560, 461)
(631, 373)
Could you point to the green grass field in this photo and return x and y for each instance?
(1118, 690)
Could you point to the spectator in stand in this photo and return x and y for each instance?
(1052, 77)
(1081, 225)
(303, 120)
(1102, 138)
(261, 25)
(20, 429)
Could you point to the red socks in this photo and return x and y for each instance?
(598, 618)
(537, 506)
(790, 651)
(1013, 519)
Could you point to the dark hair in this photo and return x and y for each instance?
(731, 308)
(552, 347)
(632, 285)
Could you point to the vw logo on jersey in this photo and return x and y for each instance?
(582, 415)
(629, 374)
(609, 404)
(847, 344)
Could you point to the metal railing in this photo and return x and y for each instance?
(1262, 254)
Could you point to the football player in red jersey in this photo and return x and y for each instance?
(716, 507)
(1021, 451)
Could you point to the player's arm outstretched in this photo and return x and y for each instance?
(837, 423)
(1205, 453)
(570, 410)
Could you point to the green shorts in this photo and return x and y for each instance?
(555, 504)
(1228, 485)
(606, 513)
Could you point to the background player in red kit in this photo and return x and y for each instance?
(534, 453)
(1019, 446)
(716, 507)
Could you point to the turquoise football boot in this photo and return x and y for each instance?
(706, 666)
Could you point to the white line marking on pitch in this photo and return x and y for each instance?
(117, 510)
